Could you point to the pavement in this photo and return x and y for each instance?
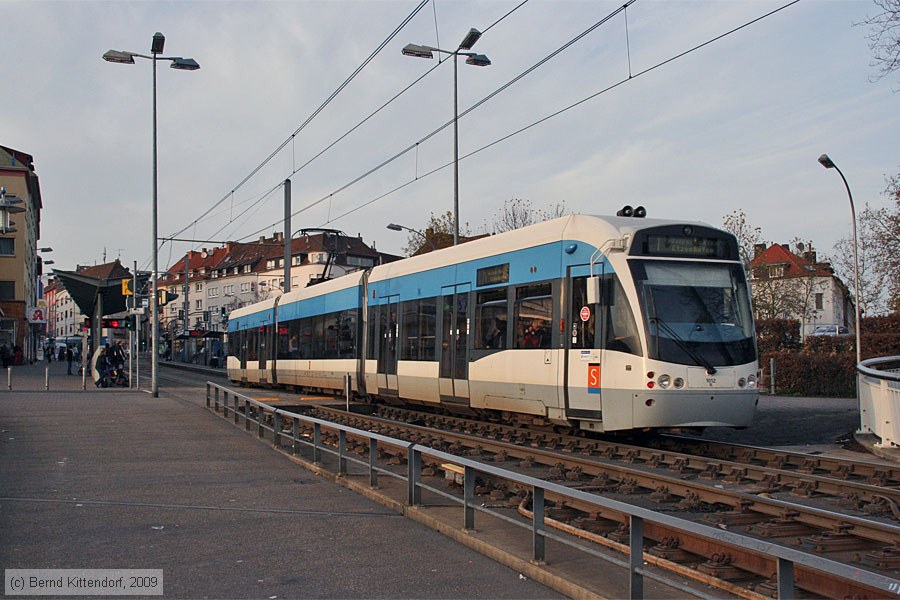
(113, 478)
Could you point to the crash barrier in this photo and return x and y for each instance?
(878, 381)
(237, 406)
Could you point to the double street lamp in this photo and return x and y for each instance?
(478, 60)
(181, 64)
(829, 164)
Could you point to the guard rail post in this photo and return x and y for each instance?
(9, 378)
(414, 475)
(317, 443)
(260, 419)
(225, 403)
(47, 378)
(216, 399)
(246, 415)
(785, 575)
(636, 562)
(295, 445)
(276, 429)
(468, 498)
(537, 526)
(208, 386)
(373, 455)
(237, 414)
(342, 450)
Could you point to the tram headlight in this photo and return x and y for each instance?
(742, 382)
(679, 383)
(751, 380)
(664, 381)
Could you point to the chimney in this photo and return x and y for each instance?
(810, 255)
(786, 247)
(262, 239)
(758, 249)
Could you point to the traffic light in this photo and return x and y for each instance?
(113, 323)
(163, 297)
(86, 324)
(223, 314)
(128, 287)
(129, 321)
(206, 316)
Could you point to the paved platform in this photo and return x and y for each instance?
(119, 479)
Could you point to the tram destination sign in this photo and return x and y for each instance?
(691, 246)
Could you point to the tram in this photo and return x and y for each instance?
(583, 322)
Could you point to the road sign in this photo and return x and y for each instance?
(585, 313)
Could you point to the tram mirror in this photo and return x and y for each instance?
(593, 290)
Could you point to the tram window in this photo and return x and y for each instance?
(283, 341)
(306, 338)
(618, 328)
(533, 313)
(490, 319)
(581, 332)
(252, 344)
(347, 334)
(370, 350)
(332, 334)
(318, 336)
(418, 332)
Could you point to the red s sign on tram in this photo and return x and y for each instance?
(593, 378)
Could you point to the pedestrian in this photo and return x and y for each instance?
(4, 355)
(62, 354)
(70, 357)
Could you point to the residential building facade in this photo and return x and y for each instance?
(789, 285)
(19, 264)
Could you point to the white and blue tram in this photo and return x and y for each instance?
(594, 323)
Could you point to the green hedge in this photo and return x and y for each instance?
(824, 365)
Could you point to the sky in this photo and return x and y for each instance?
(736, 125)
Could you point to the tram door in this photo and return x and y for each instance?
(387, 332)
(583, 362)
(454, 367)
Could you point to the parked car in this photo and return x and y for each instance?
(834, 330)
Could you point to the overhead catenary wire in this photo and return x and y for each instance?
(481, 102)
(315, 113)
(568, 108)
(297, 169)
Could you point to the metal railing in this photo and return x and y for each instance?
(238, 406)
(878, 380)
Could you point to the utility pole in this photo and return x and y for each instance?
(187, 304)
(287, 236)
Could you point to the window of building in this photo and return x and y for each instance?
(820, 301)
(246, 269)
(7, 246)
(199, 287)
(198, 304)
(7, 290)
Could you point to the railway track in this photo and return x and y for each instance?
(842, 519)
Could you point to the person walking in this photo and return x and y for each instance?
(70, 357)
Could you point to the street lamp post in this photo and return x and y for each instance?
(398, 227)
(181, 64)
(829, 164)
(478, 60)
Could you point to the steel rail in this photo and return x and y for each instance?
(641, 521)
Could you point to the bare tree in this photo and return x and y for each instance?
(517, 213)
(747, 236)
(437, 233)
(884, 41)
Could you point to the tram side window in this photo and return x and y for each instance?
(533, 312)
(282, 343)
(617, 328)
(418, 329)
(347, 334)
(305, 338)
(582, 332)
(236, 344)
(318, 336)
(491, 315)
(332, 334)
(252, 339)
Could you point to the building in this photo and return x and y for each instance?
(20, 267)
(787, 285)
(222, 279)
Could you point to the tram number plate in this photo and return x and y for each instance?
(699, 378)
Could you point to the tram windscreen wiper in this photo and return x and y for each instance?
(682, 344)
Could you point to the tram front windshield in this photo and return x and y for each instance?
(695, 313)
